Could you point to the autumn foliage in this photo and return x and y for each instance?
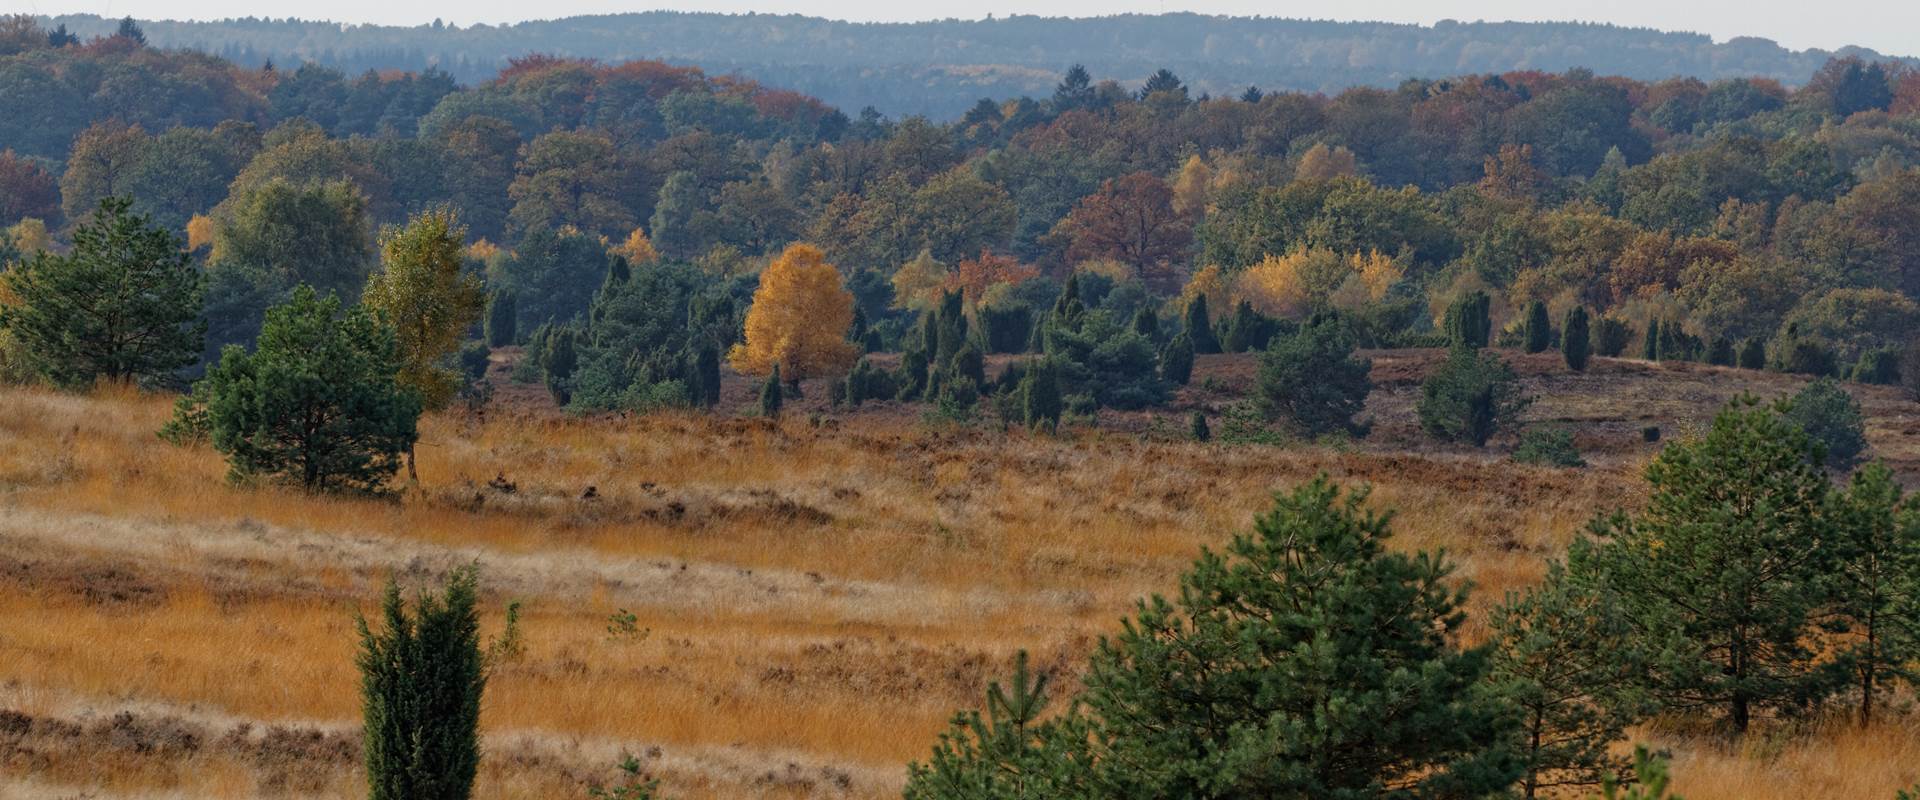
(799, 319)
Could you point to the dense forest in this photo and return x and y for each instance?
(1736, 212)
(940, 68)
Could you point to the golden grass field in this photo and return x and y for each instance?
(811, 598)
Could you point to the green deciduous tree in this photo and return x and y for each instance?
(123, 305)
(317, 403)
(1245, 686)
(1313, 378)
(422, 292)
(421, 677)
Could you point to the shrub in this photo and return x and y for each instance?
(1800, 355)
(1005, 326)
(1650, 343)
(1721, 353)
(1551, 447)
(1313, 379)
(1200, 327)
(1610, 337)
(501, 318)
(1879, 366)
(1040, 395)
(1472, 395)
(770, 394)
(1753, 353)
(1176, 360)
(1539, 329)
(1832, 420)
(1469, 321)
(1198, 427)
(421, 678)
(1576, 344)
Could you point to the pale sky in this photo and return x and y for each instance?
(1886, 25)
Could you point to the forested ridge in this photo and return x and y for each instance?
(939, 68)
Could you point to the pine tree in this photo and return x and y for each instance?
(1722, 573)
(421, 677)
(501, 318)
(1539, 329)
(1007, 754)
(1575, 339)
(123, 305)
(1565, 657)
(1244, 686)
(770, 398)
(1877, 583)
(316, 404)
(1314, 380)
(1200, 326)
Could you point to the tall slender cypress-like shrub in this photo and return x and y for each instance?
(421, 677)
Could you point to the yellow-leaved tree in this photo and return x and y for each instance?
(638, 249)
(422, 293)
(199, 233)
(799, 319)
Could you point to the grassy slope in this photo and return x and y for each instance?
(814, 597)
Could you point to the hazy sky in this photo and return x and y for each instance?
(1889, 26)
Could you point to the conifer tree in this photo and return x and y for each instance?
(421, 677)
(1539, 329)
(1472, 395)
(316, 404)
(1009, 753)
(1576, 343)
(1753, 353)
(1469, 321)
(770, 394)
(1146, 323)
(1314, 380)
(123, 305)
(706, 370)
(1040, 395)
(1243, 686)
(1565, 656)
(1650, 346)
(560, 359)
(1176, 359)
(1877, 584)
(1198, 427)
(501, 318)
(1722, 574)
(1721, 354)
(1199, 326)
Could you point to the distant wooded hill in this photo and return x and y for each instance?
(942, 68)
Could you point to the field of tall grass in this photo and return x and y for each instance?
(760, 608)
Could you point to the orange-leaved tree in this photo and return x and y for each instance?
(799, 319)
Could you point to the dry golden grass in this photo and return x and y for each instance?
(812, 601)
